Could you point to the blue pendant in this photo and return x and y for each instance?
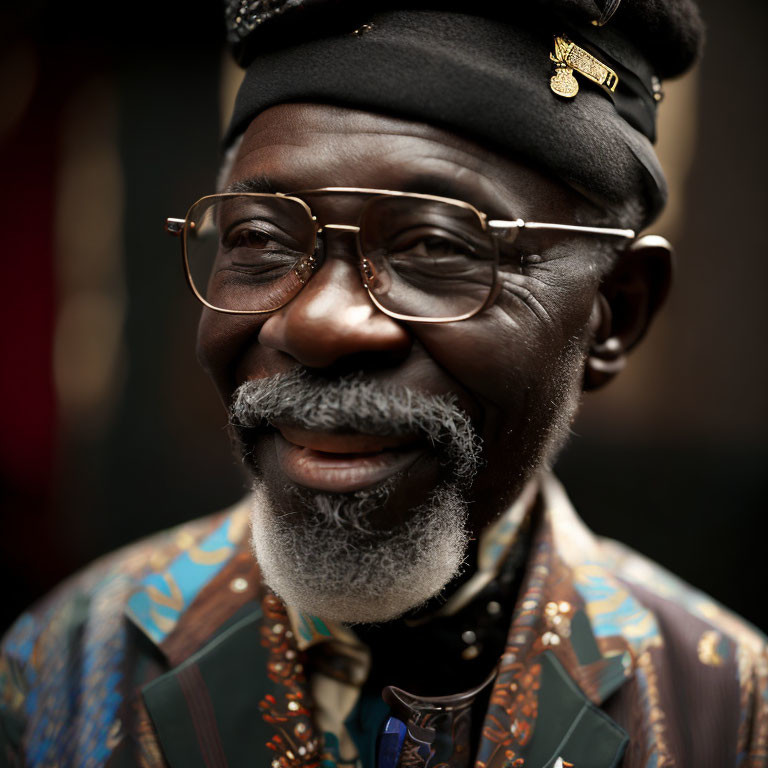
(391, 743)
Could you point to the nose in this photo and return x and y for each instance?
(332, 322)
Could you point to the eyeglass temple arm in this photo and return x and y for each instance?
(174, 226)
(507, 228)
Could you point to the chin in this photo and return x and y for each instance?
(326, 563)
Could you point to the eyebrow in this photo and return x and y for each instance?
(434, 185)
(446, 186)
(422, 184)
(260, 184)
(431, 185)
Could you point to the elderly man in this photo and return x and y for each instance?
(423, 251)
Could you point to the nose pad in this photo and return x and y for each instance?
(378, 284)
(306, 268)
(369, 273)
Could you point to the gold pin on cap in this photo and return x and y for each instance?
(569, 57)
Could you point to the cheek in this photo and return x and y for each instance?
(512, 355)
(222, 340)
(522, 360)
(505, 349)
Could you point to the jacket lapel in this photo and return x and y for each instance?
(204, 711)
(204, 612)
(569, 725)
(575, 635)
(241, 700)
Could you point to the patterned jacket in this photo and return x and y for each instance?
(172, 652)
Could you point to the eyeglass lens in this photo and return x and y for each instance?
(423, 258)
(430, 259)
(249, 252)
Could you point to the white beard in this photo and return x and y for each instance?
(344, 574)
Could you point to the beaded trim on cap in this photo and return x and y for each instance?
(243, 16)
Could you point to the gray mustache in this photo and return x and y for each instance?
(357, 404)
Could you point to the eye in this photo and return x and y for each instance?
(251, 238)
(257, 251)
(430, 243)
(256, 236)
(436, 247)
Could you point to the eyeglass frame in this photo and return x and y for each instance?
(500, 229)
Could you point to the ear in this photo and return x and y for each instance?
(629, 297)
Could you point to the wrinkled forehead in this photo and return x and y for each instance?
(305, 146)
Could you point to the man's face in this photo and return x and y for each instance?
(514, 370)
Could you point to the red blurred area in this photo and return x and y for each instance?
(28, 419)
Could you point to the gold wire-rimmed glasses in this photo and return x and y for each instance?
(422, 258)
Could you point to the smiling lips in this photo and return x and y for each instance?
(341, 463)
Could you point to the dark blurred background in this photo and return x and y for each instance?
(109, 122)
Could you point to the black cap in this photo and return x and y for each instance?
(495, 72)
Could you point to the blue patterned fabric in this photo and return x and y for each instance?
(163, 597)
(73, 688)
(63, 662)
